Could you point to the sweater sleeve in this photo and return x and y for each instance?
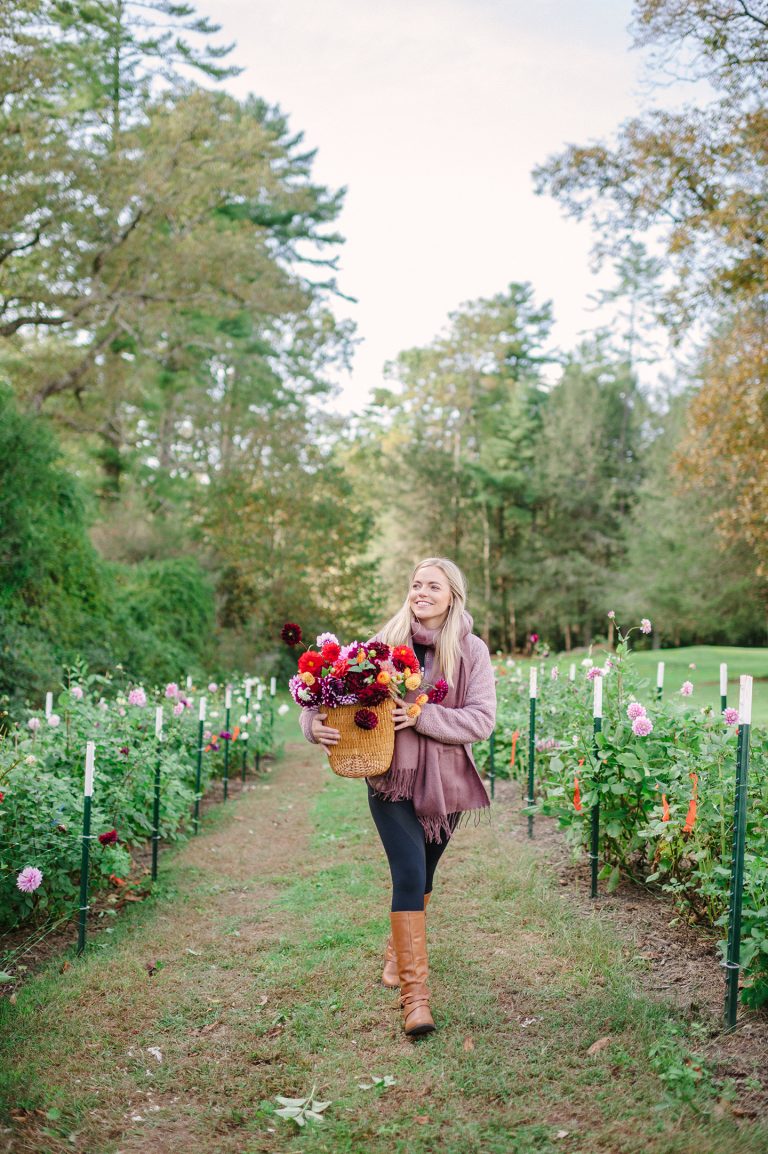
(306, 717)
(476, 718)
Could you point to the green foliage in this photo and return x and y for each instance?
(683, 849)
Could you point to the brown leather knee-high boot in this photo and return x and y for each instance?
(409, 935)
(390, 977)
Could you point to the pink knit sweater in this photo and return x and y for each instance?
(474, 721)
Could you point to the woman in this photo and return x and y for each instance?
(432, 781)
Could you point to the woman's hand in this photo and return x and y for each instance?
(400, 715)
(324, 734)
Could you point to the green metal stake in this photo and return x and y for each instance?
(531, 748)
(723, 686)
(659, 680)
(90, 748)
(227, 715)
(198, 778)
(594, 841)
(156, 804)
(732, 964)
(492, 761)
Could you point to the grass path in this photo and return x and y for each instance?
(253, 972)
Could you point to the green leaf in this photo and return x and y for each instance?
(613, 880)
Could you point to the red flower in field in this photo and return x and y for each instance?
(2, 795)
(291, 634)
(576, 795)
(310, 662)
(116, 881)
(690, 820)
(534, 638)
(404, 658)
(366, 719)
(108, 838)
(330, 652)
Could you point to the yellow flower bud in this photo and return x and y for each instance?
(422, 699)
(413, 710)
(361, 655)
(308, 678)
(383, 678)
(413, 682)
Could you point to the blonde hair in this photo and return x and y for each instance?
(397, 630)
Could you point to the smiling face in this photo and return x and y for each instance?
(430, 596)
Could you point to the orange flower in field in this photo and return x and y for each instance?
(422, 699)
(413, 710)
(690, 820)
(577, 796)
(413, 682)
(383, 678)
(664, 808)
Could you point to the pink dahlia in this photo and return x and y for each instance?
(54, 720)
(366, 719)
(686, 688)
(594, 672)
(178, 709)
(29, 879)
(635, 710)
(137, 696)
(326, 639)
(34, 723)
(612, 614)
(171, 691)
(76, 692)
(212, 687)
(645, 626)
(731, 716)
(642, 726)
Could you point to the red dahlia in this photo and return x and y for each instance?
(366, 719)
(310, 662)
(437, 694)
(291, 634)
(330, 652)
(404, 658)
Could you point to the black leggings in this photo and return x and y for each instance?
(412, 860)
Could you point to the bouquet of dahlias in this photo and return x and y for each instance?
(355, 684)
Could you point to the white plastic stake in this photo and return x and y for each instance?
(159, 721)
(272, 686)
(723, 680)
(228, 697)
(533, 685)
(745, 700)
(48, 704)
(660, 675)
(572, 671)
(597, 707)
(202, 709)
(90, 756)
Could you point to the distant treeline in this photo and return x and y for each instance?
(172, 485)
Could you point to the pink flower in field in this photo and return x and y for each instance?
(642, 726)
(731, 716)
(635, 710)
(212, 687)
(54, 720)
(555, 673)
(612, 614)
(534, 638)
(76, 692)
(645, 626)
(178, 709)
(137, 696)
(594, 672)
(29, 879)
(171, 691)
(34, 723)
(686, 688)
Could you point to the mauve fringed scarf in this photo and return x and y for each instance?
(439, 778)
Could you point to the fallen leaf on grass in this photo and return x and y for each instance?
(421, 1119)
(384, 1082)
(302, 1110)
(600, 1044)
(468, 1044)
(210, 1027)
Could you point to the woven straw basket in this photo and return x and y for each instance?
(361, 752)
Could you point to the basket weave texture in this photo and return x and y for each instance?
(361, 752)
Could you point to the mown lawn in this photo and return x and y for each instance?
(254, 973)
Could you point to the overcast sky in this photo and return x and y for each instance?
(433, 113)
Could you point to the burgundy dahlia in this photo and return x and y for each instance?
(437, 694)
(378, 651)
(366, 719)
(108, 838)
(291, 634)
(373, 694)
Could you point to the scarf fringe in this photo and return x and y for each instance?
(440, 827)
(395, 784)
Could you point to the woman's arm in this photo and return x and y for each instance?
(476, 718)
(306, 717)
